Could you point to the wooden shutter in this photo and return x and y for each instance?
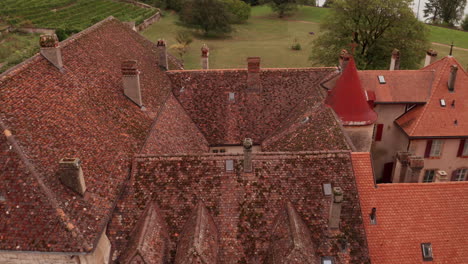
(460, 148)
(379, 132)
(427, 154)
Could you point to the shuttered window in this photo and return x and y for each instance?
(433, 148)
(462, 148)
(379, 132)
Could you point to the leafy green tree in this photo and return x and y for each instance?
(283, 7)
(444, 11)
(239, 10)
(328, 3)
(376, 27)
(209, 16)
(464, 24)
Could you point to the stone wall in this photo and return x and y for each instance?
(36, 30)
(148, 22)
(11, 257)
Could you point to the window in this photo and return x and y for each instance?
(215, 151)
(442, 103)
(327, 260)
(429, 176)
(373, 216)
(426, 249)
(229, 165)
(379, 132)
(463, 148)
(232, 97)
(382, 79)
(460, 175)
(222, 150)
(433, 148)
(327, 189)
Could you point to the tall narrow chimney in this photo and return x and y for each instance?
(395, 61)
(131, 81)
(205, 52)
(452, 78)
(335, 210)
(248, 144)
(50, 50)
(416, 164)
(344, 59)
(431, 56)
(71, 174)
(253, 74)
(161, 46)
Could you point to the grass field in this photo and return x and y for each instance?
(267, 36)
(71, 14)
(15, 47)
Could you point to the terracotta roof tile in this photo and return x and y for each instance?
(409, 214)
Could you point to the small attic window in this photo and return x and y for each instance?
(232, 97)
(426, 251)
(2, 197)
(381, 79)
(442, 103)
(373, 216)
(229, 165)
(327, 189)
(327, 260)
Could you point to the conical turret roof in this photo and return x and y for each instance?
(348, 99)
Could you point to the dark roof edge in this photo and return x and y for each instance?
(254, 154)
(245, 69)
(397, 102)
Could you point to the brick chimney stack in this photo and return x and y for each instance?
(50, 50)
(205, 52)
(416, 164)
(344, 59)
(335, 210)
(431, 56)
(253, 74)
(395, 61)
(161, 46)
(131, 81)
(452, 78)
(248, 144)
(71, 174)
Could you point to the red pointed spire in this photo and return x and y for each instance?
(348, 99)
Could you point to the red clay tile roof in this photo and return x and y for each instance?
(409, 214)
(80, 112)
(244, 205)
(433, 120)
(348, 98)
(205, 97)
(403, 86)
(174, 132)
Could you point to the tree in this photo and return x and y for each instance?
(184, 39)
(328, 3)
(464, 24)
(210, 16)
(240, 10)
(376, 27)
(283, 7)
(444, 11)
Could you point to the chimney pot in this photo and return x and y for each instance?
(131, 81)
(395, 61)
(205, 52)
(161, 46)
(452, 77)
(253, 74)
(50, 49)
(431, 56)
(71, 174)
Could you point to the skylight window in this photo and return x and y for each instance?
(327, 260)
(442, 103)
(426, 251)
(327, 189)
(382, 79)
(229, 165)
(232, 97)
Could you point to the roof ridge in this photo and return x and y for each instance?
(434, 89)
(60, 213)
(258, 154)
(262, 69)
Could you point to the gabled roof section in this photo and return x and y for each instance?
(80, 112)
(174, 132)
(199, 240)
(409, 214)
(402, 86)
(291, 240)
(148, 243)
(226, 111)
(434, 120)
(348, 99)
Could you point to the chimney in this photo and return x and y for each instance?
(253, 74)
(344, 59)
(50, 50)
(395, 61)
(248, 144)
(161, 46)
(131, 81)
(71, 175)
(131, 24)
(335, 210)
(416, 164)
(431, 56)
(401, 167)
(452, 78)
(205, 52)
(441, 176)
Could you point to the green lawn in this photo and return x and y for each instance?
(270, 38)
(446, 36)
(15, 47)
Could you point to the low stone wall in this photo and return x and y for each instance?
(139, 4)
(149, 21)
(36, 30)
(5, 31)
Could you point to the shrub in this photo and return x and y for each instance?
(240, 10)
(464, 23)
(296, 45)
(209, 16)
(64, 33)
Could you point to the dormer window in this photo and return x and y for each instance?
(382, 79)
(426, 251)
(442, 103)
